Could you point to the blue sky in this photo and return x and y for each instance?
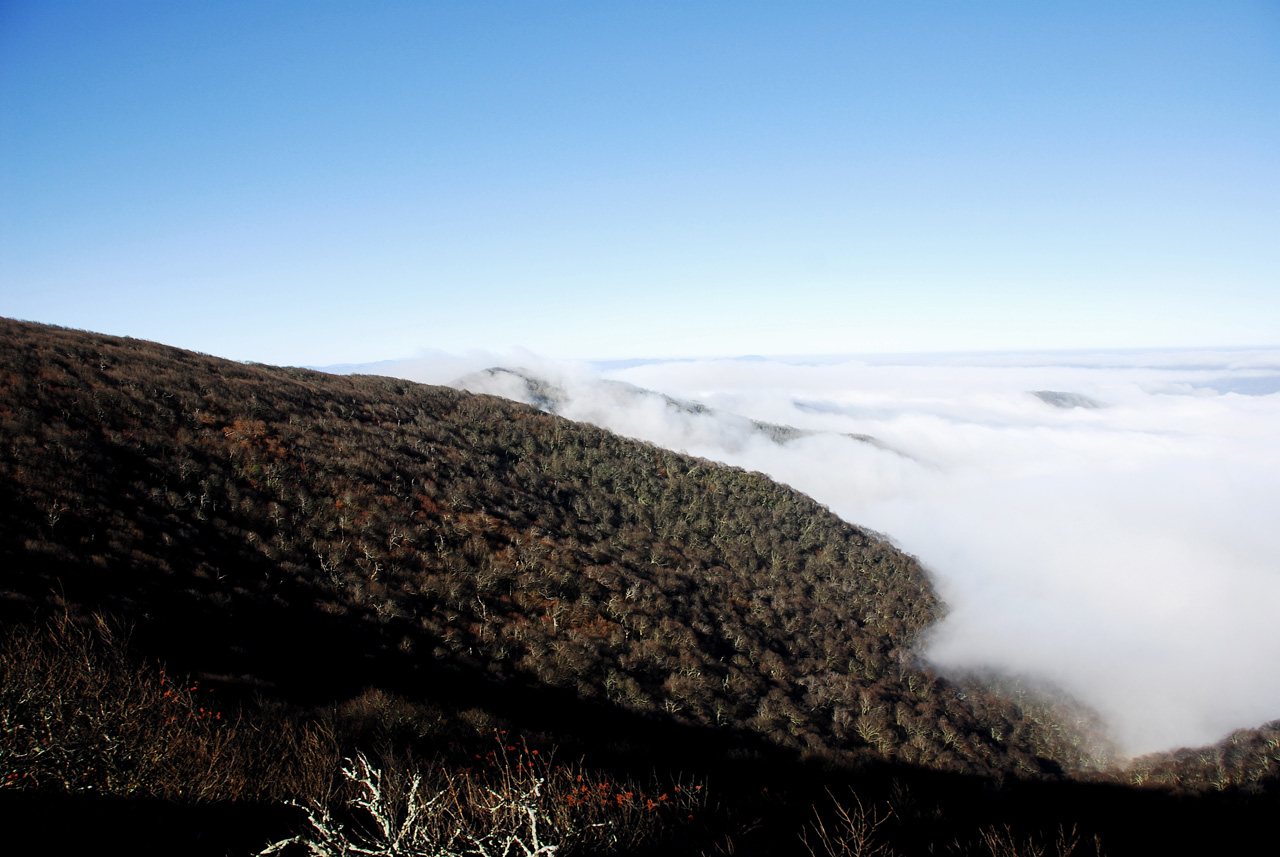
(337, 182)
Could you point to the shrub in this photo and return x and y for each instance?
(852, 833)
(514, 803)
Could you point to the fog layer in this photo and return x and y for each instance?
(1106, 523)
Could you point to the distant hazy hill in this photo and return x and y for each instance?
(602, 401)
(1065, 400)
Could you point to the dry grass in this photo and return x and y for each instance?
(77, 714)
(1002, 842)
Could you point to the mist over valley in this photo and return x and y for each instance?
(1110, 537)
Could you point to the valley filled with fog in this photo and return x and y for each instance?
(1103, 523)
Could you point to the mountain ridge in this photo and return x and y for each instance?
(528, 387)
(480, 533)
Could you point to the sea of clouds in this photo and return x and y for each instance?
(1105, 523)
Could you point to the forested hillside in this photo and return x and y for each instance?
(426, 565)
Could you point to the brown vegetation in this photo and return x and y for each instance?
(360, 565)
(462, 532)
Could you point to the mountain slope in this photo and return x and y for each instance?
(364, 564)
(308, 535)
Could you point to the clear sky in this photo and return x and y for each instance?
(323, 182)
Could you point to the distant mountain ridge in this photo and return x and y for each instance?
(1063, 400)
(522, 385)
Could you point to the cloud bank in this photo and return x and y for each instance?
(1103, 522)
